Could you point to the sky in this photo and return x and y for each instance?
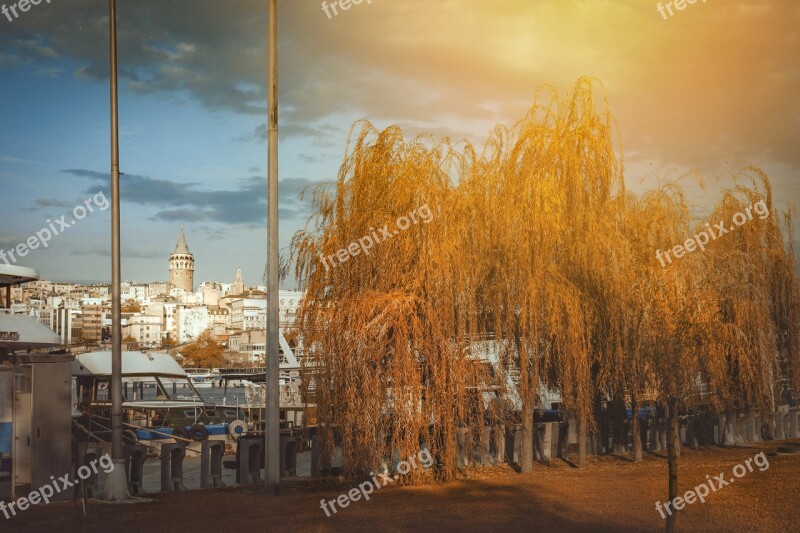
(710, 89)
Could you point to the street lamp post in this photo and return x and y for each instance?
(272, 409)
(116, 486)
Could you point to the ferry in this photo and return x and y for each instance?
(160, 401)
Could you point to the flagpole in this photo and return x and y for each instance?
(272, 409)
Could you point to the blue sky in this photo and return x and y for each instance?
(712, 89)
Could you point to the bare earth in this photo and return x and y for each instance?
(610, 494)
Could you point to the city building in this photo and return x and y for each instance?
(288, 302)
(237, 287)
(191, 322)
(134, 291)
(158, 288)
(249, 310)
(92, 318)
(209, 293)
(146, 329)
(181, 265)
(250, 346)
(62, 321)
(219, 319)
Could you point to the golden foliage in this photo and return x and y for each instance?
(205, 351)
(536, 244)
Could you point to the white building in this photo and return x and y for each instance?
(166, 311)
(134, 291)
(250, 344)
(219, 319)
(209, 293)
(62, 321)
(99, 291)
(63, 288)
(146, 329)
(159, 288)
(288, 302)
(183, 296)
(191, 322)
(250, 311)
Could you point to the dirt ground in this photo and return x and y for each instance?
(610, 494)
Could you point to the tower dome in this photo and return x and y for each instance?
(181, 265)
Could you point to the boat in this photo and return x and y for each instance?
(295, 414)
(160, 401)
(203, 378)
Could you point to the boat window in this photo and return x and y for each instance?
(140, 389)
(178, 388)
(102, 393)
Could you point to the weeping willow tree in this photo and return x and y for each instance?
(535, 245)
(722, 319)
(387, 328)
(627, 350)
(554, 183)
(758, 296)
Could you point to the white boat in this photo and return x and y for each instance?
(203, 378)
(160, 400)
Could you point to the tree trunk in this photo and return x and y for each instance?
(526, 459)
(620, 426)
(673, 437)
(581, 442)
(601, 415)
(637, 434)
(676, 432)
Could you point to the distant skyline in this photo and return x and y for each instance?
(259, 282)
(712, 89)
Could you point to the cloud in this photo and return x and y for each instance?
(47, 202)
(330, 70)
(183, 215)
(8, 60)
(185, 202)
(51, 72)
(128, 252)
(10, 159)
(324, 136)
(8, 242)
(34, 48)
(462, 64)
(213, 233)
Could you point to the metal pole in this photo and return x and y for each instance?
(272, 415)
(117, 489)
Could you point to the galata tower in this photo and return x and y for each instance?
(181, 265)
